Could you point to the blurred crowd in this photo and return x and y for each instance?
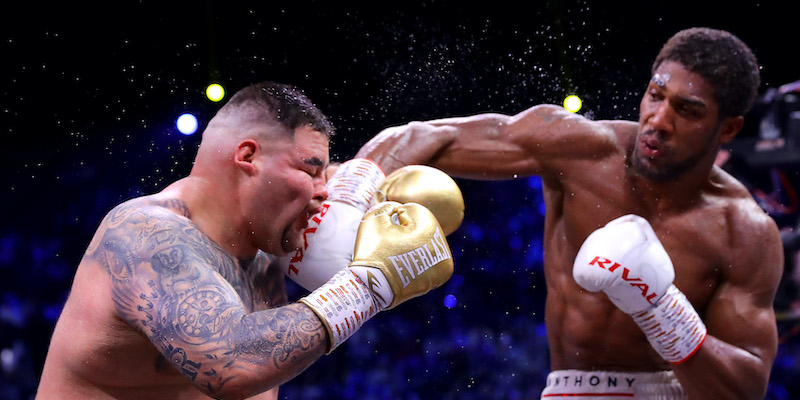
(480, 336)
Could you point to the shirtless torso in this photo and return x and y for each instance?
(705, 237)
(725, 249)
(174, 297)
(97, 354)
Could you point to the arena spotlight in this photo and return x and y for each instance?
(573, 103)
(187, 124)
(215, 92)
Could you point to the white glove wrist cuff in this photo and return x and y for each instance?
(355, 182)
(673, 326)
(343, 304)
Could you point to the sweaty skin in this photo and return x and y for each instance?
(173, 298)
(725, 249)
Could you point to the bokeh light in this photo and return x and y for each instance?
(450, 301)
(215, 92)
(187, 124)
(573, 103)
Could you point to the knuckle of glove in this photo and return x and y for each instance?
(594, 265)
(430, 187)
(414, 261)
(626, 261)
(380, 211)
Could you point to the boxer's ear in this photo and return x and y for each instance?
(245, 152)
(730, 127)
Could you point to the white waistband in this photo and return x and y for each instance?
(597, 385)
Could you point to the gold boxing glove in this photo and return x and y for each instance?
(428, 186)
(405, 243)
(400, 253)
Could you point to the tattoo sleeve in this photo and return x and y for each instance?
(169, 282)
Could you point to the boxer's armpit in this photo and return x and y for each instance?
(269, 284)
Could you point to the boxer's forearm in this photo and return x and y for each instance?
(261, 351)
(416, 143)
(720, 370)
(467, 146)
(491, 145)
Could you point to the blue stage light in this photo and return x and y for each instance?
(187, 124)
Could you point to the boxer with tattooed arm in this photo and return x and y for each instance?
(175, 297)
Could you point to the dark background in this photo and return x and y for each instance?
(90, 96)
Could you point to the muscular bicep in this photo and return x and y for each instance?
(492, 146)
(741, 310)
(165, 283)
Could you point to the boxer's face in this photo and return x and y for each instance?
(288, 188)
(678, 124)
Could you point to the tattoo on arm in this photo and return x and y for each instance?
(194, 302)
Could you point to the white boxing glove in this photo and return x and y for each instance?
(626, 260)
(331, 233)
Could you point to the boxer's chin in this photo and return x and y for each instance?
(291, 242)
(292, 237)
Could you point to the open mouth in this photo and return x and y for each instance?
(651, 147)
(303, 224)
(312, 211)
(306, 216)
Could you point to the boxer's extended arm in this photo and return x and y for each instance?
(736, 358)
(491, 146)
(168, 282)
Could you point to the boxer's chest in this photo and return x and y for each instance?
(697, 243)
(697, 239)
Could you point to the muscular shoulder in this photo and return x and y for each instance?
(743, 213)
(753, 231)
(133, 215)
(143, 209)
(557, 138)
(549, 127)
(142, 230)
(752, 236)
